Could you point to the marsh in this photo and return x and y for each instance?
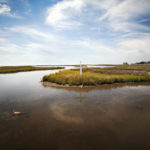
(113, 117)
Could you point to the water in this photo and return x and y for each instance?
(66, 67)
(74, 67)
(111, 117)
(92, 66)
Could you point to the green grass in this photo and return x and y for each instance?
(92, 78)
(14, 69)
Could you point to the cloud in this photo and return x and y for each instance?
(63, 14)
(38, 43)
(5, 45)
(6, 11)
(122, 16)
(115, 14)
(127, 9)
(30, 31)
(69, 14)
(137, 45)
(48, 47)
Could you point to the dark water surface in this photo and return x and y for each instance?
(72, 119)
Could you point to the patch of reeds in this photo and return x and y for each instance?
(112, 71)
(14, 69)
(131, 67)
(92, 78)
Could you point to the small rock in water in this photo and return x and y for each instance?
(16, 113)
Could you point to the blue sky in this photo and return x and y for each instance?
(67, 31)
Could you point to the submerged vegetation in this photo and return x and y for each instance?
(72, 77)
(14, 69)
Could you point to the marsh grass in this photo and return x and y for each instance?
(14, 69)
(113, 71)
(92, 78)
(131, 67)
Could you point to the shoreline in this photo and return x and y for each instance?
(16, 69)
(51, 84)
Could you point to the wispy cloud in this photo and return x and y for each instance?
(5, 10)
(30, 31)
(48, 46)
(123, 16)
(117, 15)
(5, 45)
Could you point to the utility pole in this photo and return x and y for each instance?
(80, 69)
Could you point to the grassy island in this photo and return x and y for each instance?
(91, 77)
(14, 69)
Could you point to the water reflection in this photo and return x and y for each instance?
(98, 87)
(61, 111)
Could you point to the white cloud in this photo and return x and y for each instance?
(120, 17)
(66, 13)
(6, 10)
(137, 44)
(32, 32)
(135, 50)
(51, 49)
(5, 45)
(127, 9)
(27, 30)
(62, 14)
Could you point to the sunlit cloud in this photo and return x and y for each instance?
(62, 15)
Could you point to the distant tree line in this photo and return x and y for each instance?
(143, 62)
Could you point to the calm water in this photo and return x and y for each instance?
(116, 118)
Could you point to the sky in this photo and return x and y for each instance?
(42, 32)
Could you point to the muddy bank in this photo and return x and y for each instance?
(90, 87)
